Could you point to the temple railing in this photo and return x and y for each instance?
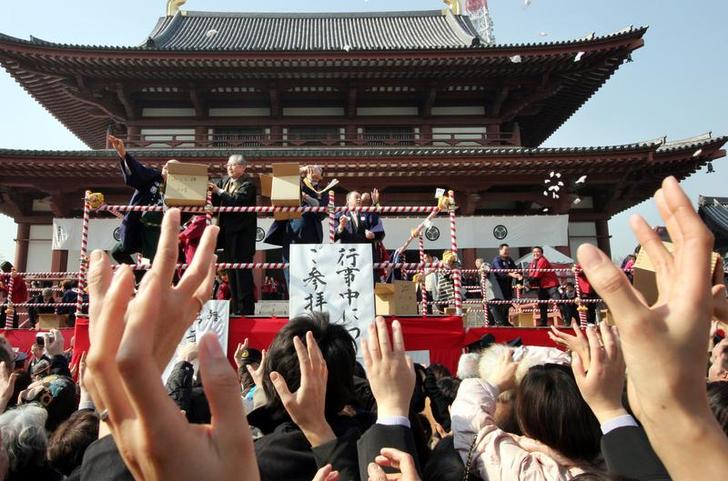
(414, 139)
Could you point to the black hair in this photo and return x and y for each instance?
(448, 387)
(550, 409)
(337, 347)
(69, 441)
(502, 246)
(718, 401)
(439, 371)
(6, 266)
(537, 247)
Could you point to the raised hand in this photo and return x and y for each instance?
(257, 373)
(375, 197)
(127, 330)
(577, 343)
(395, 459)
(239, 353)
(600, 372)
(390, 371)
(307, 405)
(117, 144)
(180, 304)
(664, 345)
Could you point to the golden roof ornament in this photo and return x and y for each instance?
(455, 6)
(173, 7)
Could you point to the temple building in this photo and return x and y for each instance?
(402, 101)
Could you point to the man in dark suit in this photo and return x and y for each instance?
(237, 231)
(139, 231)
(357, 227)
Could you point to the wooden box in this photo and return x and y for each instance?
(283, 188)
(186, 184)
(522, 319)
(644, 273)
(52, 321)
(396, 299)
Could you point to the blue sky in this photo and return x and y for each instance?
(676, 86)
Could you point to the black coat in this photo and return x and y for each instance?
(628, 453)
(357, 234)
(147, 184)
(237, 230)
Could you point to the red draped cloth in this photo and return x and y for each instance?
(443, 337)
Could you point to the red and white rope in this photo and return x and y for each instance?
(83, 267)
(423, 273)
(332, 216)
(10, 309)
(484, 293)
(456, 274)
(208, 208)
(582, 315)
(267, 209)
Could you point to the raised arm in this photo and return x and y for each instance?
(665, 344)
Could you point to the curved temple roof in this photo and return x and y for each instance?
(312, 32)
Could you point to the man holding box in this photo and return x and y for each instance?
(237, 231)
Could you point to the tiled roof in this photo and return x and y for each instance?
(313, 32)
(267, 32)
(714, 212)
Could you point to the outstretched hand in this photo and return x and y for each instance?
(395, 459)
(307, 406)
(664, 344)
(600, 372)
(126, 330)
(390, 370)
(117, 144)
(577, 343)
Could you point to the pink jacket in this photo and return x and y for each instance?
(498, 455)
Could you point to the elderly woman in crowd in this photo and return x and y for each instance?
(25, 440)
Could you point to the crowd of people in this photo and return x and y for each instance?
(641, 400)
(47, 296)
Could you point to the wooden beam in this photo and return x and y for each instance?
(132, 111)
(495, 108)
(429, 101)
(276, 109)
(351, 101)
(198, 102)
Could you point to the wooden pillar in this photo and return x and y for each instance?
(22, 243)
(259, 274)
(426, 134)
(603, 236)
(201, 136)
(493, 133)
(59, 261)
(133, 135)
(468, 258)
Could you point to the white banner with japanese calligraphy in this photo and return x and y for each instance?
(333, 278)
(213, 317)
